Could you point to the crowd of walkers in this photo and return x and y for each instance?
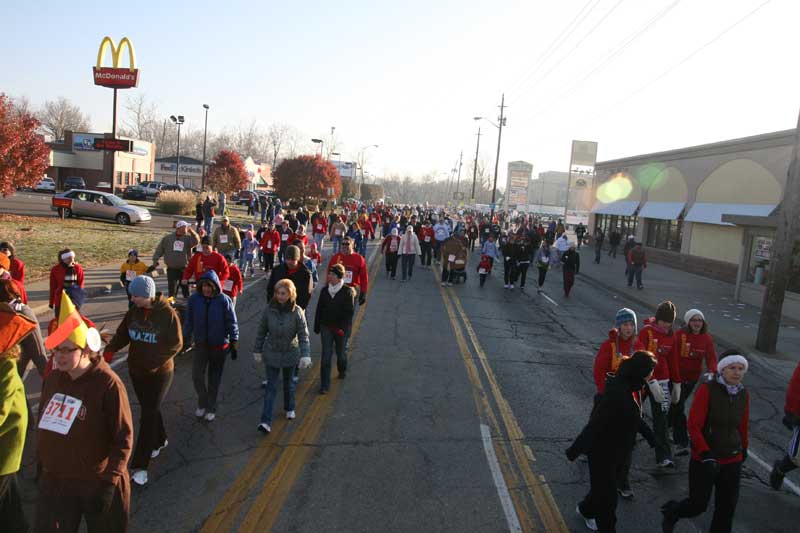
(87, 450)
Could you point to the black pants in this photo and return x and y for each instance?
(726, 494)
(522, 269)
(391, 264)
(269, 261)
(635, 270)
(472, 244)
(150, 390)
(174, 276)
(211, 363)
(598, 250)
(425, 257)
(62, 504)
(508, 271)
(407, 266)
(331, 342)
(677, 415)
(612, 250)
(446, 278)
(12, 517)
(542, 275)
(601, 501)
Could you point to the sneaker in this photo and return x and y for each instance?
(264, 384)
(157, 451)
(323, 391)
(139, 477)
(210, 416)
(776, 476)
(290, 415)
(590, 522)
(511, 286)
(444, 284)
(200, 412)
(666, 463)
(626, 493)
(264, 428)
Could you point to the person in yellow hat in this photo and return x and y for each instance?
(85, 434)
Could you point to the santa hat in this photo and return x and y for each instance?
(731, 359)
(72, 327)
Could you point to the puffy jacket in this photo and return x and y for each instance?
(211, 320)
(282, 336)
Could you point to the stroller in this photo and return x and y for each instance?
(458, 268)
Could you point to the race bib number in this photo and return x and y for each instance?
(269, 245)
(459, 261)
(348, 277)
(227, 285)
(319, 227)
(223, 239)
(362, 232)
(393, 246)
(60, 413)
(486, 230)
(481, 271)
(129, 275)
(337, 232)
(427, 238)
(451, 258)
(285, 237)
(177, 246)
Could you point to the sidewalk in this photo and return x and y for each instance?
(732, 324)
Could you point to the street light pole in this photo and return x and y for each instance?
(205, 133)
(177, 120)
(321, 143)
(497, 159)
(460, 159)
(475, 168)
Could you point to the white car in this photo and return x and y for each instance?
(46, 185)
(96, 204)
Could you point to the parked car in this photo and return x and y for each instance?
(244, 197)
(74, 182)
(151, 188)
(96, 204)
(134, 192)
(46, 185)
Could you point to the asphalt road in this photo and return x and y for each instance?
(454, 416)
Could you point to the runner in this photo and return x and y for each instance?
(16, 268)
(571, 267)
(693, 345)
(637, 262)
(270, 242)
(282, 343)
(426, 244)
(176, 248)
(286, 234)
(356, 275)
(507, 248)
(205, 261)
(211, 318)
(233, 286)
(64, 274)
(441, 232)
(131, 268)
(543, 259)
(484, 269)
(84, 436)
(490, 249)
(389, 248)
(31, 346)
(319, 225)
(338, 230)
(153, 331)
(791, 419)
(718, 426)
(225, 238)
(356, 237)
(599, 237)
(409, 250)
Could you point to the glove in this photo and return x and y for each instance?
(676, 393)
(257, 357)
(108, 356)
(104, 497)
(710, 463)
(362, 299)
(151, 269)
(305, 362)
(655, 391)
(234, 351)
(791, 421)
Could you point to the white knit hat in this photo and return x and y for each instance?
(693, 313)
(730, 360)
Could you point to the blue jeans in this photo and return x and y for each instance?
(362, 247)
(331, 341)
(207, 223)
(272, 391)
(337, 243)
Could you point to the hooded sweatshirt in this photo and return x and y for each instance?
(201, 263)
(154, 336)
(212, 321)
(691, 350)
(610, 355)
(660, 341)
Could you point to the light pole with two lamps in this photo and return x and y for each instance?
(177, 120)
(499, 126)
(321, 144)
(205, 134)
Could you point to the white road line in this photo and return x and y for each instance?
(546, 297)
(791, 486)
(502, 489)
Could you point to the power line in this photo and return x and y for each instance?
(610, 55)
(554, 45)
(575, 47)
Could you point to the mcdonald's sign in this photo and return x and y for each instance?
(114, 76)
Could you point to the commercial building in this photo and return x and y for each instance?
(547, 193)
(190, 173)
(517, 184)
(76, 156)
(707, 209)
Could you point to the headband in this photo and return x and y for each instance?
(67, 255)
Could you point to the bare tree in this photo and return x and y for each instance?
(140, 120)
(296, 142)
(60, 115)
(277, 137)
(21, 105)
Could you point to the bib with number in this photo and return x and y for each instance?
(319, 226)
(337, 232)
(451, 258)
(60, 413)
(427, 238)
(285, 237)
(393, 246)
(129, 275)
(481, 271)
(223, 239)
(227, 285)
(177, 246)
(348, 277)
(269, 245)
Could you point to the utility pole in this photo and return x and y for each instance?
(782, 251)
(497, 159)
(475, 168)
(460, 159)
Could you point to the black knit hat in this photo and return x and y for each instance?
(638, 366)
(666, 311)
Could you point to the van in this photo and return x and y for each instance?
(74, 182)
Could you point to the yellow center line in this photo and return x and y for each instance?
(229, 507)
(542, 496)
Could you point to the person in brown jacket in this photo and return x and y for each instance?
(84, 436)
(637, 261)
(153, 330)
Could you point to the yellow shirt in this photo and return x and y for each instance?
(138, 268)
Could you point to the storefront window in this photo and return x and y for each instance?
(608, 223)
(664, 234)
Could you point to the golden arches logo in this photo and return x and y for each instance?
(116, 51)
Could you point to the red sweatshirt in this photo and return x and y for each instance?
(388, 247)
(691, 350)
(355, 270)
(485, 264)
(793, 394)
(297, 237)
(57, 274)
(17, 272)
(375, 220)
(425, 235)
(320, 226)
(697, 420)
(233, 285)
(610, 355)
(366, 226)
(270, 242)
(660, 342)
(200, 263)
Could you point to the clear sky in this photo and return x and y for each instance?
(410, 75)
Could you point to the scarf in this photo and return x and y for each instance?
(409, 235)
(333, 289)
(733, 390)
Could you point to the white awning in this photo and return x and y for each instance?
(709, 213)
(662, 210)
(623, 208)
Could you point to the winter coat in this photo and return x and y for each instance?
(14, 422)
(201, 263)
(610, 355)
(409, 241)
(211, 320)
(543, 259)
(571, 260)
(300, 276)
(391, 241)
(17, 271)
(338, 229)
(270, 242)
(691, 350)
(282, 336)
(154, 335)
(335, 312)
(660, 343)
(226, 240)
(57, 282)
(176, 256)
(490, 248)
(233, 285)
(718, 422)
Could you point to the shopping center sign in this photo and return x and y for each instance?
(115, 77)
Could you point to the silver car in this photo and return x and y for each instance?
(96, 204)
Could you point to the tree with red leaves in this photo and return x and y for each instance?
(24, 156)
(306, 176)
(227, 173)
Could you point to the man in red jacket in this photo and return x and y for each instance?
(319, 223)
(791, 420)
(202, 262)
(270, 243)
